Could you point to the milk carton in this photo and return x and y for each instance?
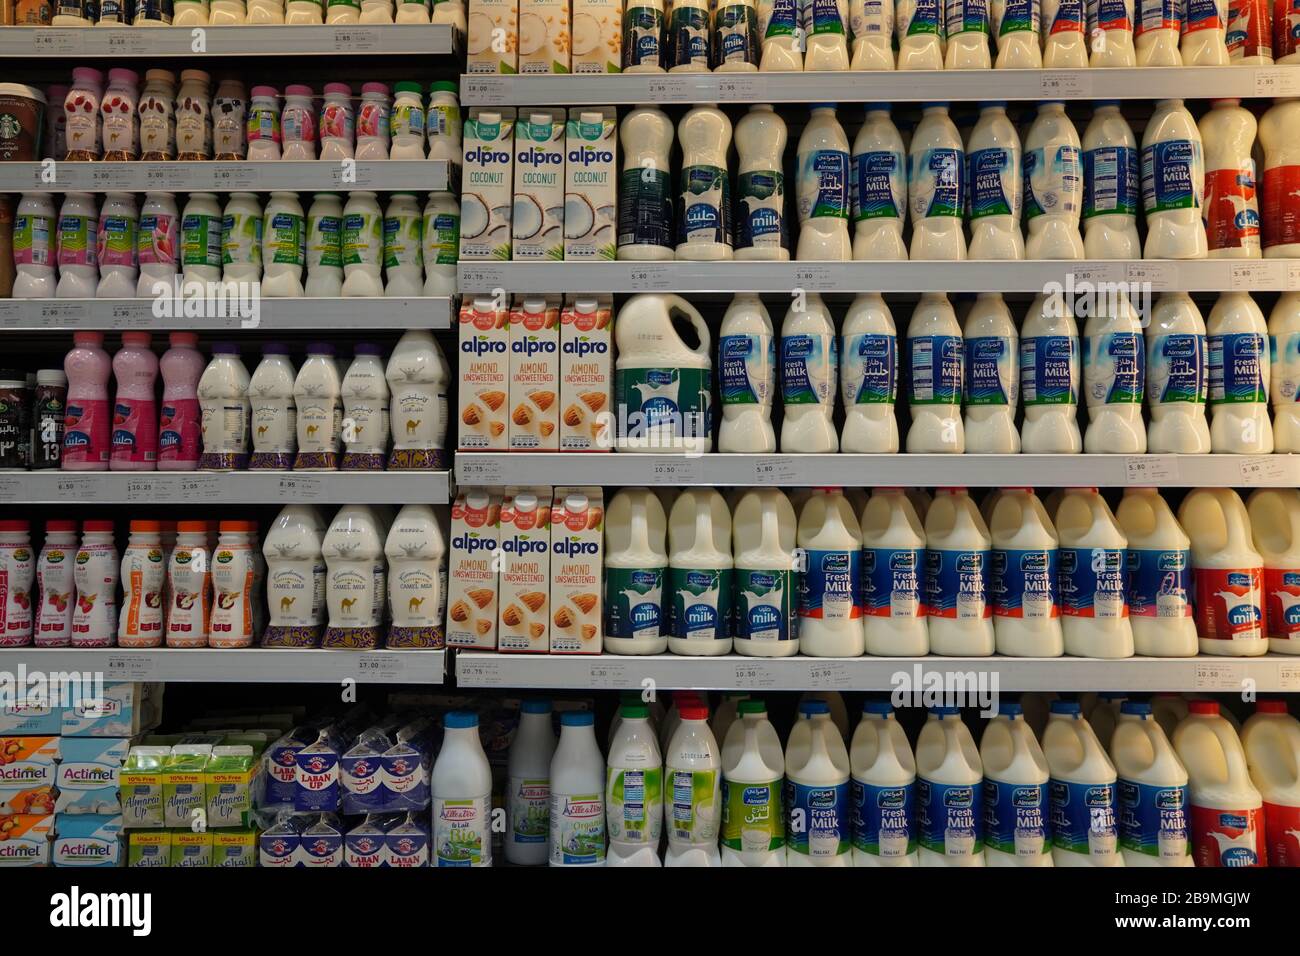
(543, 36)
(405, 766)
(360, 773)
(149, 848)
(590, 177)
(577, 538)
(234, 848)
(484, 374)
(183, 787)
(191, 849)
(488, 181)
(280, 762)
(86, 840)
(538, 217)
(535, 373)
(586, 372)
(228, 785)
(596, 36)
(140, 789)
(89, 775)
(322, 843)
(365, 846)
(279, 845)
(27, 774)
(492, 36)
(27, 841)
(472, 571)
(408, 843)
(317, 778)
(524, 621)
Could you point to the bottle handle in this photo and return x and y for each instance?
(676, 302)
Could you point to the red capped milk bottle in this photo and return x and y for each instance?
(699, 574)
(1280, 211)
(189, 582)
(949, 792)
(355, 591)
(1231, 209)
(1085, 828)
(1159, 563)
(1153, 795)
(144, 574)
(766, 589)
(959, 613)
(893, 566)
(1017, 824)
(1177, 377)
(1227, 812)
(1271, 739)
(17, 574)
(94, 621)
(234, 589)
(54, 578)
(1229, 573)
(1023, 576)
(1275, 521)
(1205, 26)
(1094, 594)
(830, 588)
(295, 578)
(1284, 378)
(1237, 336)
(878, 187)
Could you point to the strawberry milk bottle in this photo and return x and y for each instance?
(233, 586)
(188, 580)
(86, 423)
(17, 571)
(143, 574)
(180, 438)
(94, 621)
(54, 572)
(135, 410)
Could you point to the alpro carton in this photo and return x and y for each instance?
(596, 36)
(524, 621)
(472, 577)
(27, 774)
(89, 774)
(538, 216)
(484, 375)
(577, 540)
(590, 173)
(543, 36)
(26, 840)
(586, 372)
(149, 848)
(487, 190)
(535, 373)
(492, 36)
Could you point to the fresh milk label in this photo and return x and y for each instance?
(956, 584)
(633, 602)
(950, 818)
(1228, 837)
(830, 585)
(891, 582)
(487, 199)
(1111, 184)
(878, 185)
(1083, 818)
(1114, 368)
(1229, 603)
(1237, 364)
(688, 36)
(764, 604)
(699, 603)
(1016, 818)
(808, 367)
(988, 174)
(760, 206)
(1023, 584)
(1176, 370)
(1172, 175)
(635, 800)
(883, 819)
(538, 218)
(751, 816)
(869, 369)
(990, 374)
(1153, 820)
(745, 363)
(590, 208)
(818, 825)
(1159, 582)
(937, 183)
(704, 206)
(937, 364)
(1049, 370)
(1092, 583)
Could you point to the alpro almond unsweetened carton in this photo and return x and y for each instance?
(472, 570)
(484, 375)
(524, 621)
(577, 543)
(586, 372)
(535, 373)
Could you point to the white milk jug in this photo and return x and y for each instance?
(1159, 576)
(692, 790)
(1177, 377)
(635, 566)
(634, 790)
(295, 578)
(1271, 739)
(1111, 186)
(822, 187)
(746, 376)
(817, 792)
(699, 574)
(1231, 210)
(1024, 563)
(809, 362)
(1053, 179)
(1228, 577)
(878, 186)
(996, 186)
(1114, 378)
(753, 767)
(1173, 182)
(1237, 336)
(1103, 714)
(704, 230)
(869, 377)
(949, 792)
(830, 615)
(991, 392)
(461, 783)
(662, 386)
(882, 799)
(1094, 597)
(1275, 520)
(936, 364)
(1281, 146)
(528, 797)
(893, 563)
(1049, 378)
(577, 817)
(936, 166)
(1227, 815)
(1284, 372)
(1017, 820)
(959, 615)
(1085, 828)
(761, 228)
(1153, 795)
(766, 591)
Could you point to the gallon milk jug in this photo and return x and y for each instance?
(825, 30)
(704, 204)
(959, 615)
(1228, 574)
(140, 622)
(1110, 33)
(753, 767)
(1156, 28)
(699, 574)
(354, 579)
(766, 593)
(1284, 375)
(1103, 714)
(747, 377)
(645, 204)
(1114, 378)
(1177, 377)
(817, 792)
(869, 377)
(1159, 563)
(878, 187)
(1271, 739)
(528, 801)
(1204, 40)
(936, 373)
(577, 792)
(882, 799)
(920, 26)
(636, 562)
(1017, 824)
(1016, 25)
(830, 616)
(1053, 176)
(1111, 188)
(461, 783)
(949, 792)
(1049, 378)
(996, 186)
(1065, 25)
(295, 578)
(1275, 520)
(1173, 181)
(822, 187)
(662, 386)
(634, 790)
(1085, 829)
(725, 714)
(1094, 595)
(1024, 563)
(1281, 145)
(1237, 336)
(809, 362)
(893, 561)
(991, 392)
(1227, 815)
(692, 791)
(761, 228)
(936, 190)
(1153, 796)
(871, 23)
(1231, 209)
(415, 550)
(967, 35)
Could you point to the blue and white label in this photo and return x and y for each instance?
(633, 602)
(1153, 820)
(817, 824)
(830, 585)
(891, 582)
(956, 584)
(1092, 583)
(763, 604)
(937, 364)
(1053, 181)
(760, 210)
(1205, 15)
(1049, 370)
(1159, 583)
(966, 16)
(950, 818)
(1173, 176)
(808, 365)
(927, 17)
(994, 177)
(746, 368)
(1023, 583)
(1237, 368)
(701, 603)
(1114, 368)
(705, 206)
(1110, 181)
(1083, 818)
(823, 184)
(1016, 818)
(991, 371)
(883, 819)
(869, 370)
(1176, 369)
(1020, 16)
(936, 179)
(879, 185)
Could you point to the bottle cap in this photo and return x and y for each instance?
(577, 718)
(460, 720)
(536, 705)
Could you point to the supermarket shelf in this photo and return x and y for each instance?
(1271, 674)
(1033, 276)
(897, 87)
(334, 39)
(425, 175)
(978, 471)
(207, 488)
(250, 666)
(41, 315)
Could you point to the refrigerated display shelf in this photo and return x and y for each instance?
(197, 488)
(423, 39)
(424, 175)
(359, 314)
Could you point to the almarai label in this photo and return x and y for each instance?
(764, 604)
(818, 824)
(883, 822)
(700, 603)
(752, 817)
(1153, 820)
(746, 368)
(1016, 818)
(633, 602)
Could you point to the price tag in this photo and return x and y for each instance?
(129, 667)
(813, 277)
(1217, 675)
(775, 470)
(482, 90)
(233, 176)
(666, 91)
(649, 278)
(146, 489)
(1288, 676)
(379, 667)
(1098, 272)
(299, 488)
(1292, 282)
(1263, 469)
(1066, 84)
(199, 488)
(480, 670)
(675, 471)
(127, 315)
(1151, 470)
(754, 673)
(49, 42)
(72, 486)
(125, 42)
(479, 278)
(829, 674)
(608, 675)
(11, 314)
(479, 470)
(1159, 275)
(11, 489)
(109, 176)
(1282, 81)
(734, 88)
(355, 40)
(1256, 276)
(55, 313)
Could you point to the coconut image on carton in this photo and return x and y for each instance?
(488, 183)
(539, 186)
(590, 206)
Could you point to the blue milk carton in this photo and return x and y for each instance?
(365, 846)
(280, 843)
(87, 839)
(408, 843)
(407, 765)
(322, 842)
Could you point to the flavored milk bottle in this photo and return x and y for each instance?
(317, 395)
(809, 361)
(1017, 806)
(882, 790)
(223, 409)
(355, 594)
(1053, 176)
(76, 246)
(753, 765)
(830, 588)
(1024, 565)
(1017, 24)
(920, 26)
(1281, 145)
(1094, 594)
(1275, 521)
(415, 551)
(1064, 28)
(869, 377)
(1114, 378)
(54, 580)
(1231, 210)
(991, 390)
(1110, 33)
(967, 36)
(949, 792)
(1085, 829)
(634, 790)
(822, 187)
(461, 783)
(116, 247)
(636, 563)
(1111, 187)
(1284, 373)
(1153, 798)
(577, 794)
(762, 231)
(996, 186)
(1205, 26)
(1173, 182)
(1227, 815)
(1049, 378)
(528, 799)
(1271, 739)
(417, 382)
(960, 617)
(1177, 377)
(94, 620)
(747, 372)
(1239, 377)
(878, 187)
(817, 792)
(936, 185)
(274, 413)
(936, 372)
(17, 574)
(87, 423)
(364, 394)
(692, 790)
(826, 28)
(1159, 569)
(135, 410)
(295, 578)
(189, 579)
(180, 439)
(704, 229)
(893, 562)
(766, 594)
(1228, 578)
(1156, 27)
(699, 574)
(143, 575)
(35, 249)
(233, 586)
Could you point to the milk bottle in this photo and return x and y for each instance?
(996, 184)
(936, 373)
(1094, 595)
(189, 579)
(634, 790)
(295, 578)
(960, 617)
(116, 246)
(1281, 145)
(692, 790)
(35, 251)
(1227, 815)
(1239, 377)
(949, 792)
(746, 372)
(1177, 380)
(635, 566)
(416, 598)
(643, 37)
(1156, 26)
(363, 245)
(528, 800)
(461, 783)
(577, 795)
(1053, 177)
(830, 615)
(878, 187)
(1173, 182)
(364, 394)
(234, 588)
(920, 25)
(1084, 825)
(645, 203)
(417, 383)
(1017, 823)
(1271, 739)
(1284, 372)
(94, 619)
(179, 421)
(54, 582)
(284, 245)
(325, 246)
(809, 362)
(1110, 33)
(822, 188)
(871, 22)
(1114, 378)
(317, 395)
(825, 30)
(1228, 573)
(1153, 796)
(440, 238)
(1159, 576)
(699, 574)
(354, 579)
(687, 36)
(76, 246)
(274, 413)
(704, 229)
(141, 620)
(1275, 521)
(1016, 24)
(936, 186)
(761, 228)
(1231, 209)
(241, 241)
(765, 598)
(883, 790)
(135, 409)
(893, 558)
(1286, 32)
(991, 388)
(17, 573)
(1111, 190)
(1204, 40)
(1049, 378)
(967, 35)
(869, 377)
(1064, 27)
(1103, 714)
(817, 792)
(753, 765)
(734, 37)
(726, 712)
(1024, 563)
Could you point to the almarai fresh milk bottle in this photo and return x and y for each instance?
(817, 792)
(1017, 825)
(1085, 829)
(882, 800)
(1153, 797)
(1159, 563)
(893, 566)
(949, 792)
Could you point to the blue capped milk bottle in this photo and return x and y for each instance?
(761, 228)
(1159, 563)
(1016, 25)
(781, 35)
(822, 187)
(1153, 798)
(461, 783)
(949, 792)
(920, 30)
(1284, 373)
(1205, 26)
(936, 373)
(1049, 378)
(747, 376)
(830, 539)
(1157, 25)
(634, 792)
(825, 32)
(1111, 186)
(1237, 336)
(704, 201)
(1017, 811)
(688, 36)
(766, 588)
(878, 187)
(871, 23)
(936, 166)
(991, 387)
(817, 792)
(636, 564)
(809, 364)
(528, 802)
(1023, 576)
(699, 574)
(995, 185)
(1064, 28)
(692, 790)
(893, 564)
(1053, 166)
(753, 768)
(1114, 378)
(958, 612)
(1085, 826)
(869, 377)
(1094, 589)
(1177, 377)
(577, 819)
(966, 31)
(882, 799)
(1173, 183)
(1103, 715)
(1110, 33)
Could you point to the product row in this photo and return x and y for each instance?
(217, 13)
(234, 245)
(541, 188)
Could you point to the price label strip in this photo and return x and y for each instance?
(1150, 470)
(11, 489)
(478, 671)
(479, 470)
(753, 673)
(650, 278)
(199, 488)
(675, 471)
(1159, 275)
(1065, 83)
(1264, 469)
(1256, 276)
(829, 674)
(607, 675)
(147, 489)
(129, 667)
(1288, 676)
(299, 488)
(1217, 675)
(776, 470)
(483, 91)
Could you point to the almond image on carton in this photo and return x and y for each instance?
(524, 625)
(535, 373)
(472, 571)
(586, 372)
(484, 375)
(577, 559)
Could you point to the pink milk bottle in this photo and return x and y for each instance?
(135, 412)
(86, 423)
(180, 436)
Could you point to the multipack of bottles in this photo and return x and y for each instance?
(217, 13)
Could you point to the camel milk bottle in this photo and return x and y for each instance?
(747, 376)
(417, 377)
(318, 399)
(1159, 563)
(415, 549)
(577, 794)
(893, 562)
(1049, 378)
(1094, 596)
(1024, 564)
(766, 594)
(882, 797)
(699, 574)
(1111, 186)
(1053, 180)
(966, 32)
(1157, 25)
(1017, 811)
(936, 166)
(822, 188)
(180, 439)
(869, 377)
(274, 414)
(364, 395)
(1284, 372)
(1085, 829)
(94, 620)
(87, 434)
(1204, 42)
(1281, 146)
(1110, 33)
(809, 357)
(753, 768)
(762, 231)
(817, 792)
(1064, 29)
(991, 388)
(636, 563)
(1173, 182)
(1275, 521)
(355, 593)
(295, 578)
(704, 229)
(1227, 810)
(692, 790)
(996, 186)
(878, 187)
(140, 623)
(1231, 209)
(1114, 378)
(830, 615)
(1177, 377)
(223, 409)
(461, 783)
(1152, 784)
(949, 792)
(920, 26)
(959, 615)
(1271, 739)
(1228, 573)
(55, 585)
(936, 373)
(1237, 336)
(634, 790)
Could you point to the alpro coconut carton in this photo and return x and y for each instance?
(535, 373)
(472, 570)
(590, 173)
(577, 539)
(586, 373)
(524, 622)
(487, 184)
(538, 215)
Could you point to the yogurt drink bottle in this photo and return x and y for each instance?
(577, 795)
(76, 244)
(830, 585)
(753, 768)
(692, 791)
(704, 229)
(189, 586)
(936, 372)
(135, 409)
(1017, 802)
(1284, 373)
(1111, 186)
(1271, 739)
(201, 243)
(18, 573)
(869, 377)
(1085, 827)
(362, 245)
(878, 187)
(1237, 336)
(636, 563)
(920, 29)
(295, 578)
(761, 228)
(1173, 184)
(747, 369)
(967, 35)
(1016, 24)
(1275, 521)
(822, 188)
(1281, 145)
(766, 592)
(94, 619)
(634, 790)
(1110, 33)
(81, 108)
(1114, 378)
(1153, 797)
(1227, 810)
(949, 792)
(893, 562)
(157, 241)
(1064, 29)
(991, 388)
(87, 425)
(1159, 576)
(337, 125)
(1094, 595)
(461, 783)
(35, 252)
(825, 29)
(324, 256)
(1231, 209)
(1177, 377)
(140, 623)
(317, 394)
(374, 121)
(936, 186)
(809, 362)
(230, 108)
(1204, 40)
(440, 235)
(1024, 565)
(274, 413)
(223, 409)
(416, 553)
(409, 138)
(55, 584)
(882, 795)
(872, 27)
(699, 574)
(241, 241)
(817, 792)
(234, 586)
(959, 614)
(403, 247)
(1053, 180)
(1228, 573)
(298, 123)
(1157, 25)
(645, 205)
(263, 129)
(1049, 378)
(119, 266)
(364, 394)
(284, 246)
(528, 799)
(996, 186)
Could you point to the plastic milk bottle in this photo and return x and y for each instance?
(991, 388)
(1053, 179)
(223, 408)
(959, 614)
(1284, 375)
(882, 799)
(1156, 27)
(1271, 739)
(920, 26)
(634, 790)
(234, 588)
(1016, 25)
(809, 362)
(753, 768)
(822, 187)
(699, 574)
(274, 413)
(1017, 808)
(1231, 209)
(1275, 520)
(54, 581)
(936, 186)
(141, 619)
(1177, 377)
(1064, 29)
(766, 593)
(878, 187)
(949, 792)
(1084, 819)
(747, 373)
(967, 35)
(1205, 27)
(94, 620)
(1024, 564)
(1237, 336)
(830, 616)
(577, 792)
(1111, 186)
(762, 231)
(295, 578)
(1110, 33)
(893, 563)
(1153, 797)
(817, 792)
(869, 377)
(1159, 576)
(1049, 378)
(189, 584)
(1228, 573)
(1227, 814)
(704, 230)
(692, 791)
(1281, 145)
(995, 185)
(461, 782)
(1094, 596)
(1114, 378)
(1173, 182)
(936, 367)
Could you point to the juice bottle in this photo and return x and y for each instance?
(54, 579)
(94, 622)
(86, 424)
(141, 621)
(179, 423)
(135, 410)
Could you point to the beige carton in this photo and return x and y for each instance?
(535, 373)
(586, 372)
(484, 375)
(524, 623)
(543, 36)
(492, 37)
(577, 560)
(472, 570)
(597, 36)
